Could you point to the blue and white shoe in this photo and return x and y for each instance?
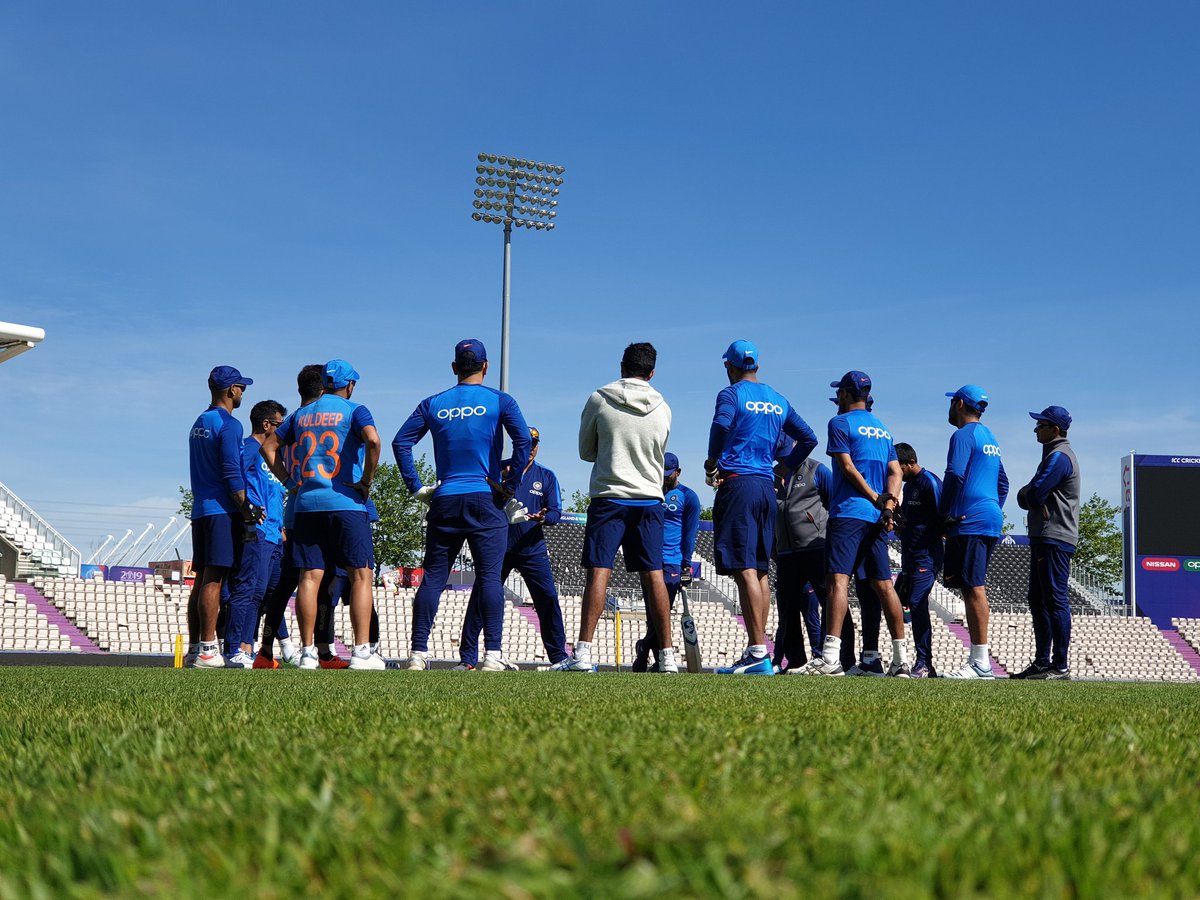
(572, 664)
(872, 669)
(972, 672)
(749, 665)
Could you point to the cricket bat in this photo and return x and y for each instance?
(691, 642)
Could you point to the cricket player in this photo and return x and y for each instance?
(973, 493)
(221, 512)
(527, 553)
(469, 502)
(337, 446)
(623, 432)
(1052, 499)
(921, 552)
(681, 523)
(863, 498)
(749, 419)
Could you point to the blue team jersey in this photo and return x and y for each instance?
(749, 419)
(537, 491)
(869, 444)
(975, 485)
(215, 459)
(326, 437)
(921, 537)
(287, 456)
(467, 423)
(681, 521)
(262, 489)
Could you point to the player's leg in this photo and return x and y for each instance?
(273, 619)
(468, 641)
(602, 537)
(199, 555)
(1039, 577)
(843, 538)
(972, 557)
(790, 599)
(355, 555)
(488, 540)
(917, 588)
(642, 546)
(870, 614)
(812, 571)
(444, 539)
(878, 571)
(539, 578)
(1055, 563)
(658, 611)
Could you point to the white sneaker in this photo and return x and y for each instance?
(496, 663)
(573, 664)
(189, 658)
(240, 660)
(669, 667)
(419, 661)
(899, 670)
(289, 652)
(818, 666)
(803, 670)
(309, 660)
(972, 672)
(367, 661)
(213, 660)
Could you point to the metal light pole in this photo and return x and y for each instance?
(509, 191)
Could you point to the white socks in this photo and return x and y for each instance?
(362, 649)
(758, 651)
(583, 650)
(666, 656)
(898, 653)
(979, 656)
(832, 651)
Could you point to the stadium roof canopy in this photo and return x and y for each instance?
(16, 339)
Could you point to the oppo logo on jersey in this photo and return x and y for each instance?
(761, 406)
(872, 432)
(461, 412)
(991, 450)
(202, 433)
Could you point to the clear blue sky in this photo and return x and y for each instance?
(935, 193)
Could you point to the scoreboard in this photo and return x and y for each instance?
(1161, 517)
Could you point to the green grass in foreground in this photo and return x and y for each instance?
(192, 783)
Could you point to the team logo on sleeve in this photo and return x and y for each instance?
(761, 406)
(537, 485)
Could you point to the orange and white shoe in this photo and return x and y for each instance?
(334, 663)
(210, 659)
(262, 662)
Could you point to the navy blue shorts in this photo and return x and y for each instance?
(671, 573)
(638, 530)
(854, 540)
(744, 524)
(331, 539)
(967, 558)
(217, 541)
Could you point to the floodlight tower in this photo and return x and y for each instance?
(513, 191)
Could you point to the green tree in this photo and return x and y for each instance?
(706, 514)
(1100, 549)
(399, 536)
(185, 502)
(579, 503)
(1008, 526)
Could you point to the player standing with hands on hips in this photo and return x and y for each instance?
(746, 428)
(468, 504)
(973, 493)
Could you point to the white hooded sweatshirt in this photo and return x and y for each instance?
(623, 432)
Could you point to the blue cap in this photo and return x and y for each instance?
(339, 373)
(469, 345)
(742, 355)
(1055, 415)
(227, 376)
(670, 464)
(972, 395)
(856, 382)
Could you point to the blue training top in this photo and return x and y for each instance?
(681, 522)
(975, 486)
(537, 491)
(466, 423)
(328, 451)
(746, 427)
(860, 434)
(262, 489)
(921, 537)
(215, 459)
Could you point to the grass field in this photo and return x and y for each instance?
(190, 783)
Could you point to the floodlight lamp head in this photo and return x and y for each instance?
(550, 226)
(478, 204)
(482, 157)
(480, 180)
(477, 217)
(491, 157)
(523, 163)
(503, 160)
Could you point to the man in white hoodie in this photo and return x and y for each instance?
(623, 433)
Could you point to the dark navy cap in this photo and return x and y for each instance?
(856, 382)
(670, 464)
(1055, 415)
(469, 345)
(534, 434)
(339, 373)
(972, 395)
(742, 355)
(227, 376)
